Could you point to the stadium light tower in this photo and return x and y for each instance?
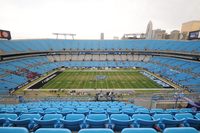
(65, 35)
(56, 35)
(72, 35)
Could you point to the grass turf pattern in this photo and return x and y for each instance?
(82, 79)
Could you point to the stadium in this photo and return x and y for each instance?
(105, 86)
(99, 66)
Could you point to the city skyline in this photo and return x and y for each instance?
(88, 18)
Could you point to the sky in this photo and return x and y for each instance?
(28, 19)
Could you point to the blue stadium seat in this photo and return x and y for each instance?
(7, 110)
(197, 116)
(4, 119)
(49, 121)
(96, 130)
(139, 130)
(65, 111)
(52, 130)
(21, 110)
(68, 106)
(186, 110)
(51, 110)
(156, 111)
(113, 111)
(97, 121)
(142, 111)
(120, 121)
(128, 111)
(98, 111)
(25, 120)
(36, 110)
(180, 130)
(13, 130)
(144, 120)
(73, 121)
(84, 111)
(166, 120)
(189, 120)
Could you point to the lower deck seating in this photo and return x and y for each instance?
(69, 115)
(97, 130)
(172, 69)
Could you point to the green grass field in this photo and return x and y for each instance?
(112, 79)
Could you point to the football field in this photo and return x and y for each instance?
(81, 79)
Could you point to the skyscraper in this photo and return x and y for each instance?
(149, 31)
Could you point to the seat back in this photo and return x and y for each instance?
(157, 110)
(52, 116)
(120, 117)
(97, 117)
(181, 130)
(128, 111)
(29, 116)
(144, 121)
(186, 110)
(142, 111)
(197, 116)
(13, 130)
(172, 111)
(21, 110)
(142, 116)
(97, 120)
(75, 117)
(25, 120)
(51, 110)
(82, 111)
(167, 120)
(99, 130)
(36, 110)
(67, 110)
(161, 116)
(113, 111)
(8, 110)
(120, 121)
(97, 111)
(139, 130)
(52, 130)
(49, 121)
(73, 122)
(6, 116)
(184, 116)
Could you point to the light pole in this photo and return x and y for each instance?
(64, 34)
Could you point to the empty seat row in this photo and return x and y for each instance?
(96, 110)
(72, 103)
(98, 130)
(70, 106)
(116, 122)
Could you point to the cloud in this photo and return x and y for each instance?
(88, 18)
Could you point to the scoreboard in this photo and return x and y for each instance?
(194, 35)
(4, 34)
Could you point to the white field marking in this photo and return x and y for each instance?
(119, 80)
(51, 83)
(74, 80)
(129, 78)
(111, 81)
